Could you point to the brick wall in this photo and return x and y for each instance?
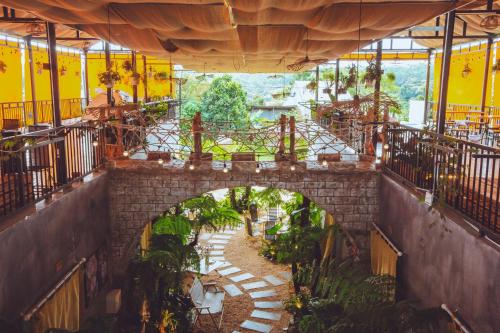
(140, 192)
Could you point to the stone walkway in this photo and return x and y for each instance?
(254, 286)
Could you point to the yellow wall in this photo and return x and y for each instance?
(97, 64)
(468, 90)
(11, 81)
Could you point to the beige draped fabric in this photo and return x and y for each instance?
(238, 35)
(62, 310)
(383, 257)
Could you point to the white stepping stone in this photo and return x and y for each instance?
(218, 258)
(218, 247)
(255, 326)
(265, 315)
(286, 275)
(229, 271)
(218, 241)
(241, 277)
(273, 280)
(268, 305)
(216, 265)
(225, 264)
(216, 253)
(229, 232)
(232, 290)
(222, 236)
(263, 293)
(205, 236)
(254, 285)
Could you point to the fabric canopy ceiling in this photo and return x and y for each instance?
(238, 35)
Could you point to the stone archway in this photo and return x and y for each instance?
(139, 192)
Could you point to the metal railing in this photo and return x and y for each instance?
(37, 164)
(20, 114)
(460, 174)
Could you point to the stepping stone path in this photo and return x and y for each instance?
(264, 310)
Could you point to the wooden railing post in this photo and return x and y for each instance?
(196, 129)
(281, 149)
(293, 156)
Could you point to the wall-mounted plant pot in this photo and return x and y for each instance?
(243, 157)
(329, 157)
(285, 157)
(156, 155)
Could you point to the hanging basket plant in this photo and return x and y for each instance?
(161, 76)
(496, 66)
(312, 85)
(3, 67)
(348, 80)
(135, 78)
(127, 66)
(372, 74)
(109, 78)
(391, 76)
(63, 71)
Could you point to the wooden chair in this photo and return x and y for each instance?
(207, 302)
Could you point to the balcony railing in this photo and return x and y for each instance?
(35, 165)
(14, 115)
(461, 174)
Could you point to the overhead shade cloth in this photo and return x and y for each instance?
(62, 310)
(383, 257)
(236, 35)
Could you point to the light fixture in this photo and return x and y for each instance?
(225, 170)
(292, 167)
(191, 166)
(95, 143)
(257, 169)
(466, 71)
(378, 161)
(386, 146)
(160, 161)
(324, 162)
(125, 153)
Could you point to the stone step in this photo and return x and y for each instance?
(205, 236)
(216, 253)
(229, 271)
(219, 258)
(263, 293)
(242, 277)
(256, 326)
(218, 247)
(268, 305)
(273, 280)
(286, 275)
(232, 290)
(254, 285)
(218, 236)
(265, 315)
(218, 241)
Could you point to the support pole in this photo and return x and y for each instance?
(134, 71)
(61, 171)
(485, 82)
(316, 96)
(281, 149)
(445, 72)
(145, 71)
(54, 74)
(427, 86)
(87, 95)
(32, 82)
(197, 137)
(376, 95)
(109, 91)
(337, 79)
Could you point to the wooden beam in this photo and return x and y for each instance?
(337, 79)
(427, 86)
(145, 70)
(54, 74)
(87, 94)
(134, 71)
(485, 78)
(445, 72)
(109, 91)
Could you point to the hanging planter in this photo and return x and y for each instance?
(161, 76)
(109, 78)
(372, 74)
(312, 85)
(63, 71)
(3, 67)
(135, 79)
(391, 76)
(466, 71)
(127, 66)
(496, 66)
(327, 90)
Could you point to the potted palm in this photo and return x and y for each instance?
(109, 78)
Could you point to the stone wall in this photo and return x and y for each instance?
(141, 192)
(444, 260)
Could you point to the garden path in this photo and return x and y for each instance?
(254, 286)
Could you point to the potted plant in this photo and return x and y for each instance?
(3, 67)
(312, 85)
(372, 74)
(127, 66)
(108, 78)
(391, 76)
(466, 71)
(64, 70)
(161, 76)
(347, 80)
(134, 78)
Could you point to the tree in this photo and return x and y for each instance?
(225, 100)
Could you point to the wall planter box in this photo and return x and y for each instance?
(156, 155)
(329, 157)
(243, 157)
